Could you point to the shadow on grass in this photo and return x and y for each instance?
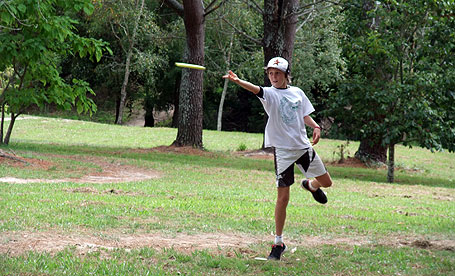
(227, 161)
(209, 160)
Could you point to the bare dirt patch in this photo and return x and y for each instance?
(423, 243)
(177, 150)
(266, 154)
(350, 162)
(18, 243)
(11, 159)
(110, 172)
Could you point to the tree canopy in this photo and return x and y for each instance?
(34, 38)
(394, 92)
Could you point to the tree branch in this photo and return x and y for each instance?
(214, 9)
(5, 155)
(302, 11)
(13, 15)
(210, 5)
(255, 6)
(307, 19)
(2, 95)
(254, 40)
(9, 28)
(21, 83)
(176, 6)
(116, 36)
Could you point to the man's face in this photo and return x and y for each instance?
(277, 78)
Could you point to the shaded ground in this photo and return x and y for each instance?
(110, 172)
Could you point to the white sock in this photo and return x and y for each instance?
(278, 239)
(311, 186)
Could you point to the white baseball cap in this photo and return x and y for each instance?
(279, 63)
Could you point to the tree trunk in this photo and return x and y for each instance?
(190, 100)
(149, 119)
(2, 122)
(132, 41)
(175, 116)
(368, 152)
(10, 128)
(121, 105)
(220, 107)
(226, 81)
(371, 151)
(391, 164)
(280, 25)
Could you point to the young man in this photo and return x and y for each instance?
(288, 109)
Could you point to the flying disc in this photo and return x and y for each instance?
(260, 259)
(189, 65)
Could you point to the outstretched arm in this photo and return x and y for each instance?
(247, 85)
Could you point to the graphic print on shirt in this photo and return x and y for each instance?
(288, 110)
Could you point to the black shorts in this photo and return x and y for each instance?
(307, 160)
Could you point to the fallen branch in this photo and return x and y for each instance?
(6, 155)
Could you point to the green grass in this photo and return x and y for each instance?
(324, 260)
(220, 193)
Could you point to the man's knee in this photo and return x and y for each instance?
(283, 196)
(283, 199)
(327, 183)
(325, 180)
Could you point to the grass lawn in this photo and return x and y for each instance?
(97, 199)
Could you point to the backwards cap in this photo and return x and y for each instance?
(279, 63)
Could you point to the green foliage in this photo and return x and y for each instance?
(33, 40)
(246, 60)
(397, 89)
(318, 63)
(241, 147)
(342, 151)
(113, 21)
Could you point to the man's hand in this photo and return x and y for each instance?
(247, 85)
(231, 76)
(316, 135)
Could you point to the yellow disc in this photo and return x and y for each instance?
(191, 66)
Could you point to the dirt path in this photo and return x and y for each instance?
(110, 172)
(18, 243)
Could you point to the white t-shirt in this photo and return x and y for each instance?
(286, 109)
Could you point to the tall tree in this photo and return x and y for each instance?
(128, 78)
(33, 39)
(280, 24)
(225, 86)
(281, 20)
(131, 41)
(191, 93)
(393, 94)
